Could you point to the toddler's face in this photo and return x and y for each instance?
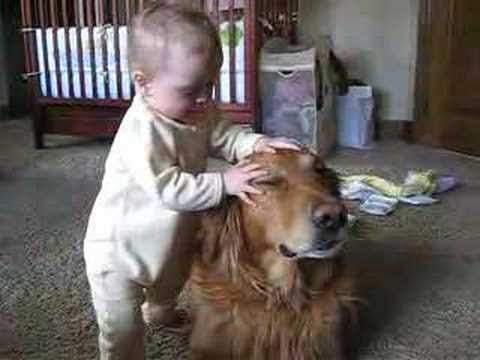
(187, 81)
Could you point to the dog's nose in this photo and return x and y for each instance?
(331, 216)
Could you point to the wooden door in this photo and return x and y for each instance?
(448, 82)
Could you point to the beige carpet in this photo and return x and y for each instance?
(422, 263)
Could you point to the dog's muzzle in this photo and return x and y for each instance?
(321, 250)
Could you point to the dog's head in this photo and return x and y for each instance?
(299, 215)
(260, 258)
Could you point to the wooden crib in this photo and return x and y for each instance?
(75, 52)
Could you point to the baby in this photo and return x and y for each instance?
(141, 233)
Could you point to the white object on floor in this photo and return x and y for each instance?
(418, 200)
(355, 118)
(375, 203)
(379, 205)
(357, 190)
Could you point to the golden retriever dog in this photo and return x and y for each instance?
(269, 282)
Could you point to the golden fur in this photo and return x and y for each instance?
(252, 303)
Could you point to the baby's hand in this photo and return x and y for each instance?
(237, 180)
(270, 144)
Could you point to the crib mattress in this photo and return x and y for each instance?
(106, 77)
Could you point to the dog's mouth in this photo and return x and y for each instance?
(324, 250)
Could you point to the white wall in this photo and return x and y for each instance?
(3, 69)
(377, 40)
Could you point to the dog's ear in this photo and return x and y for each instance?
(221, 234)
(329, 176)
(209, 234)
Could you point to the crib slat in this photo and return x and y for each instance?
(295, 11)
(250, 54)
(279, 17)
(263, 9)
(291, 8)
(104, 39)
(274, 12)
(271, 13)
(130, 9)
(118, 73)
(262, 14)
(99, 12)
(135, 7)
(92, 47)
(28, 42)
(216, 19)
(56, 52)
(268, 11)
(141, 5)
(32, 60)
(79, 21)
(46, 65)
(26, 24)
(34, 90)
(275, 16)
(81, 12)
(67, 46)
(292, 19)
(128, 15)
(231, 41)
(288, 18)
(293, 15)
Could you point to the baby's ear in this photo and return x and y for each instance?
(139, 79)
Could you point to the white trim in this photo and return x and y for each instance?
(278, 68)
(414, 25)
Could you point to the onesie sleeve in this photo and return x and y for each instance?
(152, 164)
(231, 142)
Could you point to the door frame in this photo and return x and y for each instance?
(411, 131)
(436, 24)
(431, 26)
(420, 110)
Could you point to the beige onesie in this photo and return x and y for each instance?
(140, 233)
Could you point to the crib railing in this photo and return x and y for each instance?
(278, 18)
(67, 49)
(76, 51)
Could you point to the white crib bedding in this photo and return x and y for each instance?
(87, 69)
(108, 76)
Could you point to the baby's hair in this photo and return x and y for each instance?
(164, 22)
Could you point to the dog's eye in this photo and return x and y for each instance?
(330, 178)
(269, 180)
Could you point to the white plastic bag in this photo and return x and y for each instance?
(355, 125)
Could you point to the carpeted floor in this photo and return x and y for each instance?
(421, 264)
